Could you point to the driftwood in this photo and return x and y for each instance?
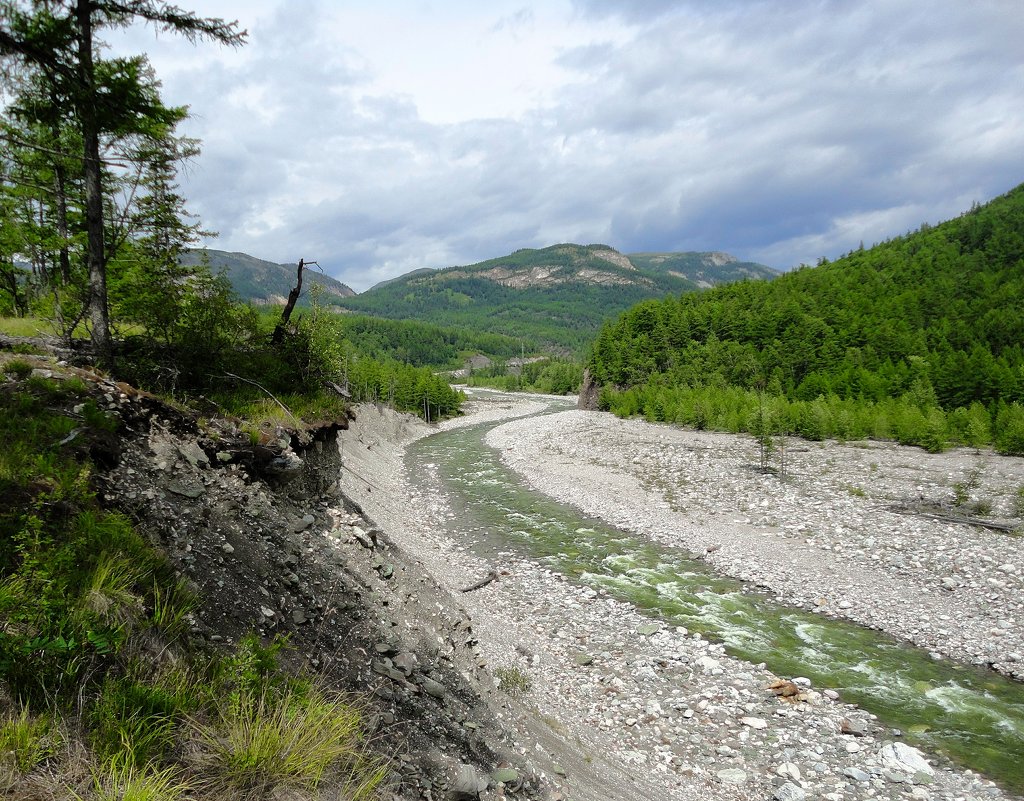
(952, 517)
(493, 575)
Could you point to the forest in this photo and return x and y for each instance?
(563, 315)
(917, 339)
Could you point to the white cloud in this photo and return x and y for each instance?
(382, 138)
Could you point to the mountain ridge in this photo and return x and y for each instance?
(261, 281)
(554, 296)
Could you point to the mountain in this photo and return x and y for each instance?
(932, 319)
(554, 296)
(262, 281)
(705, 269)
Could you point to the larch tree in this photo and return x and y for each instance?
(54, 41)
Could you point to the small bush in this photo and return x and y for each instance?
(513, 681)
(19, 368)
(982, 507)
(1018, 502)
(962, 489)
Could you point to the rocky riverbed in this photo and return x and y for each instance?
(612, 705)
(827, 537)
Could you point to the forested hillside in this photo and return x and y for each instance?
(556, 296)
(421, 344)
(260, 281)
(704, 269)
(919, 338)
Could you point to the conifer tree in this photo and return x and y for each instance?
(53, 42)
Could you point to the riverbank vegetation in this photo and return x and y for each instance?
(103, 692)
(918, 339)
(548, 376)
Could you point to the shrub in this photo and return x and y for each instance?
(19, 368)
(1010, 430)
(512, 680)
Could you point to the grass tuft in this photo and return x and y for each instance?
(26, 740)
(258, 742)
(513, 681)
(120, 781)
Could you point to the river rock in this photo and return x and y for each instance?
(732, 775)
(505, 775)
(433, 688)
(905, 759)
(789, 792)
(709, 665)
(855, 728)
(789, 770)
(467, 784)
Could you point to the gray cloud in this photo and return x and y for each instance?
(778, 132)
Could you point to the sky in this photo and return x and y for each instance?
(378, 138)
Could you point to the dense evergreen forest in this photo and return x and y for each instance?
(421, 344)
(920, 338)
(548, 376)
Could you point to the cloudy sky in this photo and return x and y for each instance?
(382, 137)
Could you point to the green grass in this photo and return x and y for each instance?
(122, 782)
(260, 742)
(94, 630)
(25, 326)
(27, 740)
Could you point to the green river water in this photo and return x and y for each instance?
(974, 716)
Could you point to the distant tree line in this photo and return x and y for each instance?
(549, 376)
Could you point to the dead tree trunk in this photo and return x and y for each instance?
(293, 298)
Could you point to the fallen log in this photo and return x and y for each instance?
(482, 583)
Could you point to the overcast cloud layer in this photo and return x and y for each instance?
(379, 138)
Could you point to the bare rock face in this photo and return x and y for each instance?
(589, 391)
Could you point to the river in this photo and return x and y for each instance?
(974, 716)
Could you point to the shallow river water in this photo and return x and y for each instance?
(974, 716)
